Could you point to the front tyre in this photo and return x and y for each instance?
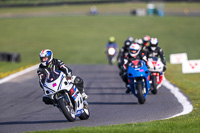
(110, 60)
(141, 98)
(154, 85)
(67, 110)
(86, 113)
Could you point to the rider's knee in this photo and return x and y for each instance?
(78, 80)
(79, 83)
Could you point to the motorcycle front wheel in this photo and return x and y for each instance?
(141, 98)
(110, 61)
(67, 110)
(154, 85)
(86, 113)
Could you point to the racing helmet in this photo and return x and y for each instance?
(134, 49)
(127, 43)
(131, 38)
(139, 41)
(46, 56)
(153, 43)
(136, 40)
(146, 39)
(112, 39)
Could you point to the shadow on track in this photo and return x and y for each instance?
(107, 94)
(106, 88)
(32, 122)
(113, 103)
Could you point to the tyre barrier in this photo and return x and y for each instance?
(10, 57)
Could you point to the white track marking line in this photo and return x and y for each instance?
(182, 99)
(3, 80)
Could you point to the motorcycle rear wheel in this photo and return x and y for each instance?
(66, 110)
(141, 98)
(154, 85)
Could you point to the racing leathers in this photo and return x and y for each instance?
(56, 64)
(122, 54)
(155, 53)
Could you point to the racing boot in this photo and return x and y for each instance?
(47, 100)
(84, 96)
(128, 90)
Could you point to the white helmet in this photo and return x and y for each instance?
(153, 43)
(46, 53)
(139, 41)
(134, 49)
(131, 38)
(136, 40)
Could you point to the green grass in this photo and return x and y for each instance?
(164, 126)
(82, 39)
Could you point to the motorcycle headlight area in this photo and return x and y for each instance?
(111, 51)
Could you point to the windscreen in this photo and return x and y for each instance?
(155, 58)
(136, 63)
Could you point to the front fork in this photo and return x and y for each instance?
(66, 97)
(135, 82)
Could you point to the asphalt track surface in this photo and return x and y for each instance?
(22, 108)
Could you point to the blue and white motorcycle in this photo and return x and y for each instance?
(138, 78)
(66, 96)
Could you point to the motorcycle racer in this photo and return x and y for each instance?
(130, 38)
(139, 41)
(134, 54)
(125, 49)
(48, 64)
(153, 50)
(123, 52)
(112, 49)
(111, 42)
(146, 40)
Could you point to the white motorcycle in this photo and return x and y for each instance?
(66, 96)
(111, 55)
(156, 73)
